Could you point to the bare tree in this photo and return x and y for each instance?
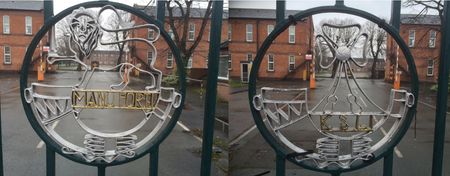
(427, 6)
(377, 44)
(113, 22)
(180, 16)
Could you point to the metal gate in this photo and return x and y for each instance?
(274, 109)
(49, 102)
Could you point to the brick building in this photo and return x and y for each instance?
(286, 56)
(165, 60)
(20, 20)
(422, 36)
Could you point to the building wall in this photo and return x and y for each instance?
(420, 51)
(280, 49)
(17, 39)
(199, 57)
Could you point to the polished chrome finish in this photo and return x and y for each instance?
(339, 125)
(85, 32)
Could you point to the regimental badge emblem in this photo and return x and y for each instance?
(346, 117)
(114, 93)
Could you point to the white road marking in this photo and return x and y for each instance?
(430, 106)
(41, 143)
(185, 128)
(396, 150)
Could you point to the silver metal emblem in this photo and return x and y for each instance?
(344, 117)
(151, 99)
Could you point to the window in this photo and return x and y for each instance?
(151, 34)
(249, 32)
(229, 32)
(291, 63)
(169, 63)
(432, 42)
(28, 25)
(191, 34)
(229, 62)
(189, 62)
(223, 67)
(172, 36)
(5, 24)
(412, 38)
(7, 55)
(270, 63)
(430, 67)
(150, 57)
(250, 57)
(269, 29)
(291, 34)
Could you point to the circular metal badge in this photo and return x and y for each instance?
(101, 87)
(343, 120)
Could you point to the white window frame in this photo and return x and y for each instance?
(430, 67)
(270, 28)
(6, 24)
(250, 57)
(291, 62)
(169, 63)
(151, 34)
(189, 62)
(432, 41)
(411, 38)
(228, 73)
(291, 34)
(171, 34)
(29, 24)
(249, 33)
(270, 61)
(5, 54)
(150, 57)
(191, 33)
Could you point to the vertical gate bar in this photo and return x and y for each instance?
(211, 87)
(336, 174)
(442, 96)
(1, 139)
(281, 165)
(101, 171)
(388, 163)
(161, 11)
(281, 10)
(395, 14)
(339, 2)
(50, 161)
(154, 157)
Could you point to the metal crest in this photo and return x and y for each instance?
(151, 99)
(345, 116)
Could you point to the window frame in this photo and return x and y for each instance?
(191, 32)
(291, 34)
(169, 60)
(230, 63)
(270, 28)
(432, 39)
(149, 57)
(6, 24)
(250, 57)
(28, 19)
(269, 62)
(248, 33)
(152, 32)
(430, 67)
(291, 63)
(413, 38)
(5, 54)
(229, 32)
(190, 62)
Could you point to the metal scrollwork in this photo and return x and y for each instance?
(153, 100)
(344, 127)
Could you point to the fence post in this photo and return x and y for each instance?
(442, 96)
(211, 87)
(281, 165)
(388, 163)
(50, 161)
(1, 139)
(154, 156)
(101, 171)
(281, 9)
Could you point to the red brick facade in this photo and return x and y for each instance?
(281, 48)
(17, 40)
(422, 51)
